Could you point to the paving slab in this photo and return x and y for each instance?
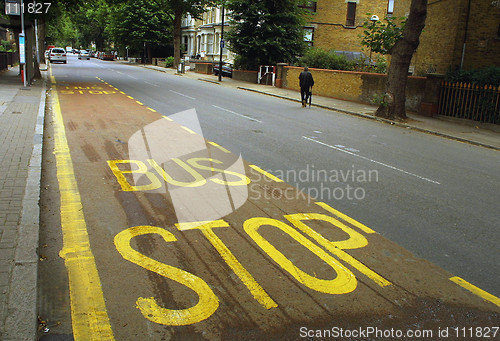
(21, 128)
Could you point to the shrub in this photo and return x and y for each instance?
(322, 59)
(169, 61)
(5, 46)
(485, 76)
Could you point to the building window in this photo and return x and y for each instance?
(390, 8)
(309, 5)
(351, 14)
(309, 35)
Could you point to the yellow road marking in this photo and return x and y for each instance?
(475, 290)
(219, 146)
(255, 289)
(150, 109)
(130, 97)
(188, 130)
(167, 118)
(139, 103)
(199, 225)
(345, 281)
(346, 218)
(89, 317)
(207, 302)
(356, 240)
(269, 175)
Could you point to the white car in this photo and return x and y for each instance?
(57, 54)
(84, 54)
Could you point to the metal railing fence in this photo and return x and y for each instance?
(470, 101)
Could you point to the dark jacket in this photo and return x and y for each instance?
(306, 80)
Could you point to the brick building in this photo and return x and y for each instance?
(337, 24)
(457, 33)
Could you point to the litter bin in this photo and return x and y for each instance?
(182, 67)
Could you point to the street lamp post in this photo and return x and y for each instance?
(221, 44)
(22, 50)
(373, 19)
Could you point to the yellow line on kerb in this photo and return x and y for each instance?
(476, 291)
(269, 175)
(88, 310)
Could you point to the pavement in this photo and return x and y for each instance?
(21, 136)
(476, 133)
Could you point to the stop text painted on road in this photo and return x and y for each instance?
(344, 282)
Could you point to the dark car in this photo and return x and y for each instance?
(227, 69)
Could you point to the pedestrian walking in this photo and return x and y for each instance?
(306, 82)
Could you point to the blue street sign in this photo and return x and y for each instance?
(22, 50)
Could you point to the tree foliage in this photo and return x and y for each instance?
(381, 36)
(322, 59)
(484, 76)
(62, 31)
(134, 23)
(121, 23)
(266, 32)
(178, 9)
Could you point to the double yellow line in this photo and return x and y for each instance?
(89, 317)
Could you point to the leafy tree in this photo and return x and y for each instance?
(134, 23)
(61, 32)
(177, 9)
(400, 42)
(266, 32)
(381, 36)
(92, 19)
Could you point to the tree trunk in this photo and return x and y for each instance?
(401, 55)
(177, 38)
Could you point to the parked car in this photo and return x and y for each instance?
(106, 56)
(227, 69)
(84, 54)
(57, 54)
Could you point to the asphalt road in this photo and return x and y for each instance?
(449, 218)
(434, 197)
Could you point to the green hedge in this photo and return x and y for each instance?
(322, 59)
(484, 76)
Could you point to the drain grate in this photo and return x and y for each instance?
(16, 112)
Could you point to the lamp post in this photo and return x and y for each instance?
(221, 44)
(373, 19)
(22, 46)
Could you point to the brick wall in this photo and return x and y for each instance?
(483, 43)
(354, 86)
(441, 41)
(331, 31)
